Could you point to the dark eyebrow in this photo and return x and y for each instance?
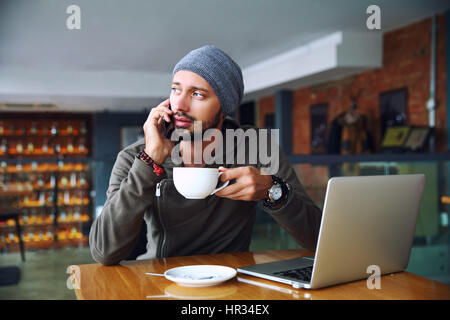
(194, 88)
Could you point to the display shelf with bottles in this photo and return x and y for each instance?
(31, 188)
(44, 138)
(45, 172)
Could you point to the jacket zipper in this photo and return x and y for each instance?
(162, 238)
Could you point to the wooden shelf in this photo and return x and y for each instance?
(60, 205)
(48, 136)
(47, 156)
(46, 167)
(47, 244)
(61, 224)
(60, 188)
(13, 193)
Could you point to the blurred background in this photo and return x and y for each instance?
(354, 89)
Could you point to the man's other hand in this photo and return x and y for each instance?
(250, 184)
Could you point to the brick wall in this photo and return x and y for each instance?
(406, 63)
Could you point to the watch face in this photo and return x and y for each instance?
(276, 192)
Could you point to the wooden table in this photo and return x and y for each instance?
(128, 281)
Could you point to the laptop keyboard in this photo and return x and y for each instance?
(302, 274)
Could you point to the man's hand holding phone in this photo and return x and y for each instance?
(157, 145)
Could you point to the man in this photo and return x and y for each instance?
(207, 87)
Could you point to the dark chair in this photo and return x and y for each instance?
(14, 214)
(9, 275)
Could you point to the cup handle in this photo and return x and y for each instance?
(222, 186)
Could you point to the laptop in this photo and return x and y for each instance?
(366, 221)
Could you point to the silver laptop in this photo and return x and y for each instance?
(366, 221)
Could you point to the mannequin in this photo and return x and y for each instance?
(348, 133)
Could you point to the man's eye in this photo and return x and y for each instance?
(175, 89)
(198, 94)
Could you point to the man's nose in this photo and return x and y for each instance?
(180, 103)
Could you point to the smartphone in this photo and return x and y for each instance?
(169, 126)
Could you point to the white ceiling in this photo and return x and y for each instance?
(125, 51)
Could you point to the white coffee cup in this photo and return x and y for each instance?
(197, 183)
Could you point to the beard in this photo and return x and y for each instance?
(206, 124)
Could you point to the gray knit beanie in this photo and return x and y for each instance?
(220, 71)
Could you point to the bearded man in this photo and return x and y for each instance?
(207, 88)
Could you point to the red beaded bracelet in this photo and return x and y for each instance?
(157, 169)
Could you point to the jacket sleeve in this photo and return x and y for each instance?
(298, 215)
(114, 232)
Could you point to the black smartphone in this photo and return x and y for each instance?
(169, 126)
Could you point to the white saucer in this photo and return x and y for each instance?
(200, 275)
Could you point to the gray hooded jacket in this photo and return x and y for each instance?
(179, 227)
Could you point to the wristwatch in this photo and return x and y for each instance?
(277, 193)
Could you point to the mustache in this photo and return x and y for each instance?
(184, 115)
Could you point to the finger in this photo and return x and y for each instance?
(164, 115)
(165, 103)
(235, 173)
(227, 191)
(160, 113)
(163, 109)
(241, 198)
(232, 173)
(222, 169)
(230, 190)
(242, 194)
(249, 194)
